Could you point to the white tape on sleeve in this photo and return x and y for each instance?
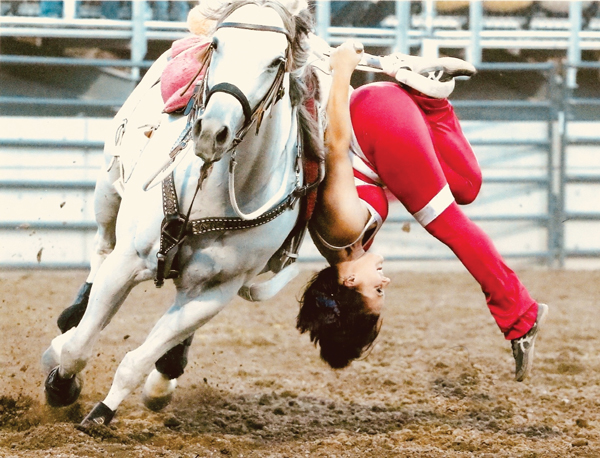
(435, 207)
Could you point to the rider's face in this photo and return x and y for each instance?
(365, 275)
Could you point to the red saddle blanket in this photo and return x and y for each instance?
(186, 55)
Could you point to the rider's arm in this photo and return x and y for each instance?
(341, 215)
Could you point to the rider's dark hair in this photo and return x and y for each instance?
(336, 318)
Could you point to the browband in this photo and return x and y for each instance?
(262, 28)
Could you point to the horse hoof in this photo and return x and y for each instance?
(61, 392)
(158, 391)
(100, 415)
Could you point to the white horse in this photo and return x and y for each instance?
(222, 220)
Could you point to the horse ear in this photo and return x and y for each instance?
(294, 6)
(198, 23)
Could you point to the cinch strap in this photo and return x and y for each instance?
(435, 207)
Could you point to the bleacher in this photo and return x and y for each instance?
(530, 114)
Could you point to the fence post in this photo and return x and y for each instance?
(565, 92)
(554, 176)
(475, 25)
(429, 15)
(139, 41)
(402, 27)
(574, 50)
(323, 17)
(69, 9)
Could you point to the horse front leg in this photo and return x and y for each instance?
(179, 323)
(116, 277)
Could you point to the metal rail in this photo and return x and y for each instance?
(571, 106)
(545, 181)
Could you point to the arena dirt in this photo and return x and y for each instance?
(439, 382)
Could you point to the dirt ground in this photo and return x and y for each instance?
(439, 382)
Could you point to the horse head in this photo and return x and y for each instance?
(249, 59)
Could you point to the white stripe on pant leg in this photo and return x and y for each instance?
(435, 207)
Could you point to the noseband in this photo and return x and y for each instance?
(274, 94)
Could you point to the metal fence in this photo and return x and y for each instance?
(579, 171)
(488, 115)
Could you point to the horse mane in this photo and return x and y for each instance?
(304, 85)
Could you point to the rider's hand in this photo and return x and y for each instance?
(346, 57)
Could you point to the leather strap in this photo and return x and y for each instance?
(233, 90)
(260, 28)
(206, 225)
(172, 231)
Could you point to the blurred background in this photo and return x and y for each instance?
(532, 114)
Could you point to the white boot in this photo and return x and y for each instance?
(432, 77)
(158, 391)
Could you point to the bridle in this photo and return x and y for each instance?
(251, 115)
(202, 95)
(273, 95)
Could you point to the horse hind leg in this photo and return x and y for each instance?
(106, 207)
(162, 381)
(104, 244)
(107, 202)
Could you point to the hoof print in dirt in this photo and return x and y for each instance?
(101, 432)
(61, 392)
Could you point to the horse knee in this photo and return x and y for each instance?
(105, 240)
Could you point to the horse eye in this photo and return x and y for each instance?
(215, 43)
(276, 62)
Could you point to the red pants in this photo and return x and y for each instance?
(417, 147)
